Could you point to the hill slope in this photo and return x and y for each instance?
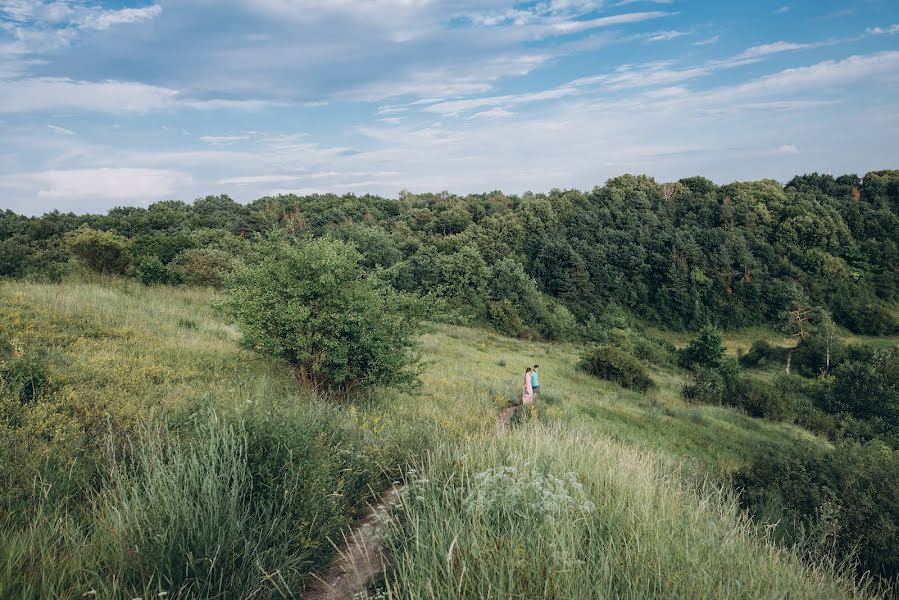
(600, 493)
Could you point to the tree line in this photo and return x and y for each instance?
(562, 264)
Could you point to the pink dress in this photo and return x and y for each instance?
(527, 396)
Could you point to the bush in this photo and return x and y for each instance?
(202, 266)
(706, 351)
(311, 304)
(758, 398)
(102, 251)
(505, 318)
(840, 496)
(707, 387)
(149, 270)
(610, 363)
(658, 352)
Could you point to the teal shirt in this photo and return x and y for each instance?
(534, 381)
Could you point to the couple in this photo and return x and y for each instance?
(531, 385)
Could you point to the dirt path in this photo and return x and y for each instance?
(360, 558)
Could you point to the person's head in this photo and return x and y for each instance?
(528, 370)
(536, 367)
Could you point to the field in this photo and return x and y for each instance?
(171, 461)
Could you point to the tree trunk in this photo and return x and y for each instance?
(789, 359)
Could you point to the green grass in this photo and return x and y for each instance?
(127, 360)
(559, 512)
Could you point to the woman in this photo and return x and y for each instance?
(527, 396)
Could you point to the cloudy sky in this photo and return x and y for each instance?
(109, 103)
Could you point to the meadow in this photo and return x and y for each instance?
(161, 459)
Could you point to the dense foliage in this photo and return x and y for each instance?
(844, 500)
(685, 254)
(613, 364)
(311, 304)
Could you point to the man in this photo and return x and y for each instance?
(535, 381)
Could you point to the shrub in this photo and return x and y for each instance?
(505, 318)
(202, 266)
(758, 398)
(311, 304)
(102, 251)
(610, 363)
(706, 351)
(658, 352)
(707, 387)
(149, 270)
(840, 495)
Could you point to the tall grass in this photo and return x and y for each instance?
(550, 512)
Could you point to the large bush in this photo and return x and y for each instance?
(102, 251)
(311, 304)
(845, 498)
(202, 266)
(608, 362)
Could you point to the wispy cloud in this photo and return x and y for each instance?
(661, 36)
(60, 130)
(883, 30)
(59, 94)
(707, 41)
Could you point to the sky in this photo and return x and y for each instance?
(106, 104)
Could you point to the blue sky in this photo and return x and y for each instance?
(110, 103)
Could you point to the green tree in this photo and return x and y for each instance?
(310, 303)
(706, 351)
(102, 251)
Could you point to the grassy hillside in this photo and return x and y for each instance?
(122, 442)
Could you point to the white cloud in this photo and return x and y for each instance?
(45, 93)
(773, 48)
(575, 26)
(493, 113)
(708, 41)
(882, 31)
(57, 93)
(663, 36)
(60, 130)
(101, 20)
(460, 80)
(128, 185)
